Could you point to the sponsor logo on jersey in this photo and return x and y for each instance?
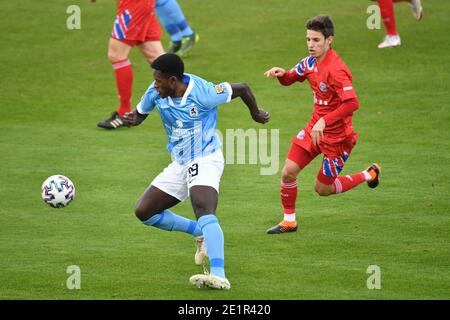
(219, 89)
(323, 86)
(348, 88)
(193, 111)
(164, 106)
(179, 123)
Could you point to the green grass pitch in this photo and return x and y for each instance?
(57, 83)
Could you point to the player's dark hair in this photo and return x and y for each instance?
(322, 24)
(170, 65)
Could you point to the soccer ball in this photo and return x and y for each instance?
(57, 191)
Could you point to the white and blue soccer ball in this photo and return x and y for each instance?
(58, 191)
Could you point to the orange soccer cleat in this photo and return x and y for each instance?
(283, 227)
(374, 170)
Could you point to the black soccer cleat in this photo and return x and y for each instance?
(374, 170)
(114, 122)
(174, 47)
(283, 227)
(188, 43)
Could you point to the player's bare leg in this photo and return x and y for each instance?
(118, 56)
(152, 210)
(288, 194)
(204, 202)
(153, 201)
(151, 50)
(117, 50)
(324, 189)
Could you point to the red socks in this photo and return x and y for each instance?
(387, 13)
(345, 183)
(288, 196)
(124, 80)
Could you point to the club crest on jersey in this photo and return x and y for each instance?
(323, 86)
(219, 89)
(193, 111)
(179, 123)
(301, 135)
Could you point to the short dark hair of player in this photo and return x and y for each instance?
(322, 24)
(170, 65)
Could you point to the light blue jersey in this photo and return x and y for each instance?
(190, 121)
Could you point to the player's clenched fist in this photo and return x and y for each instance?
(261, 116)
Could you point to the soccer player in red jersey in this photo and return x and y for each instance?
(392, 38)
(135, 25)
(329, 131)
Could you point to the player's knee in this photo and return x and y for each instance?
(288, 175)
(114, 56)
(139, 212)
(323, 191)
(151, 55)
(201, 210)
(151, 52)
(143, 212)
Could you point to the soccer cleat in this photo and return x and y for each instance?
(283, 227)
(374, 170)
(174, 47)
(417, 9)
(210, 281)
(390, 42)
(201, 254)
(187, 43)
(114, 122)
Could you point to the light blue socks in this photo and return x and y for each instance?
(167, 220)
(173, 20)
(214, 243)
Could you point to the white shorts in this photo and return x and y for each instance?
(177, 179)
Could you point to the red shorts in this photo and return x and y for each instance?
(136, 22)
(303, 151)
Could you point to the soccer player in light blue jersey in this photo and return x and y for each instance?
(187, 105)
(172, 18)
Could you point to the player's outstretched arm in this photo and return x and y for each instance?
(243, 91)
(284, 77)
(275, 72)
(134, 118)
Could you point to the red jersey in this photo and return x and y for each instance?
(331, 82)
(124, 4)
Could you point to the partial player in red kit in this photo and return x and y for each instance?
(135, 25)
(329, 131)
(392, 38)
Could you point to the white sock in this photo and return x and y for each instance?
(367, 175)
(289, 217)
